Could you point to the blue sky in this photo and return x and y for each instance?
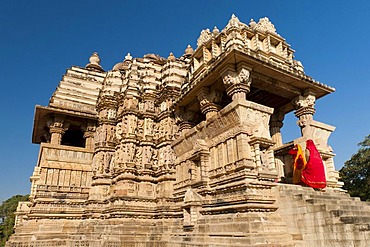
(39, 40)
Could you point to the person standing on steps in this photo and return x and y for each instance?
(308, 168)
(313, 174)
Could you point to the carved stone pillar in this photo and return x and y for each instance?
(305, 109)
(89, 132)
(105, 137)
(257, 155)
(264, 158)
(276, 123)
(184, 119)
(204, 166)
(209, 100)
(237, 82)
(56, 129)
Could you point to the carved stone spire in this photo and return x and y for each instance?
(94, 63)
(128, 57)
(189, 51)
(171, 57)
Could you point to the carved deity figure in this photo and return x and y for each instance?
(131, 103)
(140, 127)
(120, 153)
(161, 129)
(130, 152)
(149, 127)
(101, 134)
(138, 155)
(141, 106)
(168, 157)
(107, 162)
(110, 133)
(147, 157)
(98, 163)
(149, 105)
(111, 114)
(163, 106)
(119, 131)
(131, 124)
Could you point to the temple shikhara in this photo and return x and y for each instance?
(186, 151)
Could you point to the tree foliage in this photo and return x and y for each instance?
(356, 172)
(7, 217)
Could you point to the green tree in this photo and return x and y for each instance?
(7, 217)
(356, 172)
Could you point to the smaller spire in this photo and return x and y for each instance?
(215, 31)
(95, 59)
(252, 24)
(171, 57)
(233, 22)
(94, 63)
(189, 51)
(128, 57)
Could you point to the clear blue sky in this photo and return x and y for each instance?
(39, 40)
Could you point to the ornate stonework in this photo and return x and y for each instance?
(182, 151)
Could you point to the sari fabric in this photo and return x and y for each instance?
(299, 163)
(313, 174)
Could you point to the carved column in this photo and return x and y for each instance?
(105, 134)
(209, 100)
(237, 82)
(264, 158)
(184, 119)
(204, 166)
(276, 123)
(89, 132)
(104, 147)
(257, 155)
(56, 129)
(305, 110)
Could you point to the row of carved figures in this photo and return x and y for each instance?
(134, 105)
(132, 126)
(105, 162)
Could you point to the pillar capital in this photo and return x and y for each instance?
(237, 81)
(57, 128)
(305, 104)
(184, 118)
(305, 108)
(209, 99)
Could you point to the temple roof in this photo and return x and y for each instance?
(277, 78)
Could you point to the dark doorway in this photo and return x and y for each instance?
(73, 137)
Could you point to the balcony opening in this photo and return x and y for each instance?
(73, 137)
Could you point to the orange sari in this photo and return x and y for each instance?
(299, 163)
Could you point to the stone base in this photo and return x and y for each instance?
(304, 217)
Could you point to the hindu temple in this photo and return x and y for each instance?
(186, 151)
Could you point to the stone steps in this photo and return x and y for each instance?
(325, 218)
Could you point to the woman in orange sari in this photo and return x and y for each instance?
(313, 174)
(299, 163)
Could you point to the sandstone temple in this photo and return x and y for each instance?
(186, 151)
